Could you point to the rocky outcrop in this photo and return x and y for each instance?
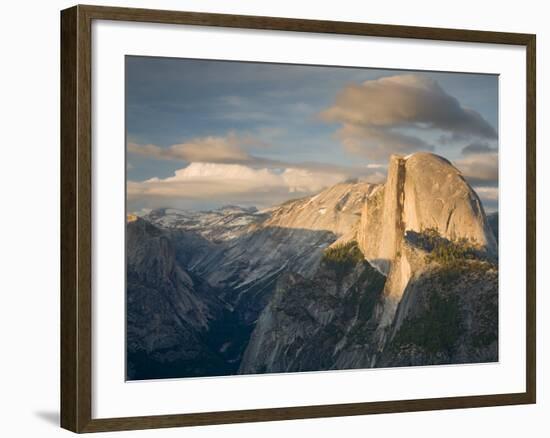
(171, 315)
(152, 260)
(448, 315)
(320, 323)
(423, 192)
(336, 210)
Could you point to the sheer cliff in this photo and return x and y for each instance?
(422, 192)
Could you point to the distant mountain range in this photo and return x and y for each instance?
(360, 275)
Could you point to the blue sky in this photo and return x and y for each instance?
(204, 133)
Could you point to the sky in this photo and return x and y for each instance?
(201, 134)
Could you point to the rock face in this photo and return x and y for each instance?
(217, 226)
(335, 210)
(317, 324)
(246, 266)
(448, 315)
(293, 237)
(359, 275)
(422, 192)
(426, 234)
(172, 316)
(493, 222)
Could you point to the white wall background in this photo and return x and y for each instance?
(29, 216)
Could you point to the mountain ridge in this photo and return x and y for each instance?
(254, 262)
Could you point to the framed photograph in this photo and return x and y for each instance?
(270, 218)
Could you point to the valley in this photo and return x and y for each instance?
(359, 275)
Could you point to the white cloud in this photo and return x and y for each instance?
(377, 166)
(235, 149)
(233, 183)
(304, 180)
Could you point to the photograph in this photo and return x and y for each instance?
(285, 218)
(275, 219)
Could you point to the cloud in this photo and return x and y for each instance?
(271, 108)
(377, 166)
(232, 183)
(378, 143)
(489, 197)
(478, 148)
(481, 171)
(231, 148)
(487, 193)
(235, 149)
(374, 115)
(479, 168)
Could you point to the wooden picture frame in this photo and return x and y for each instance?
(76, 218)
